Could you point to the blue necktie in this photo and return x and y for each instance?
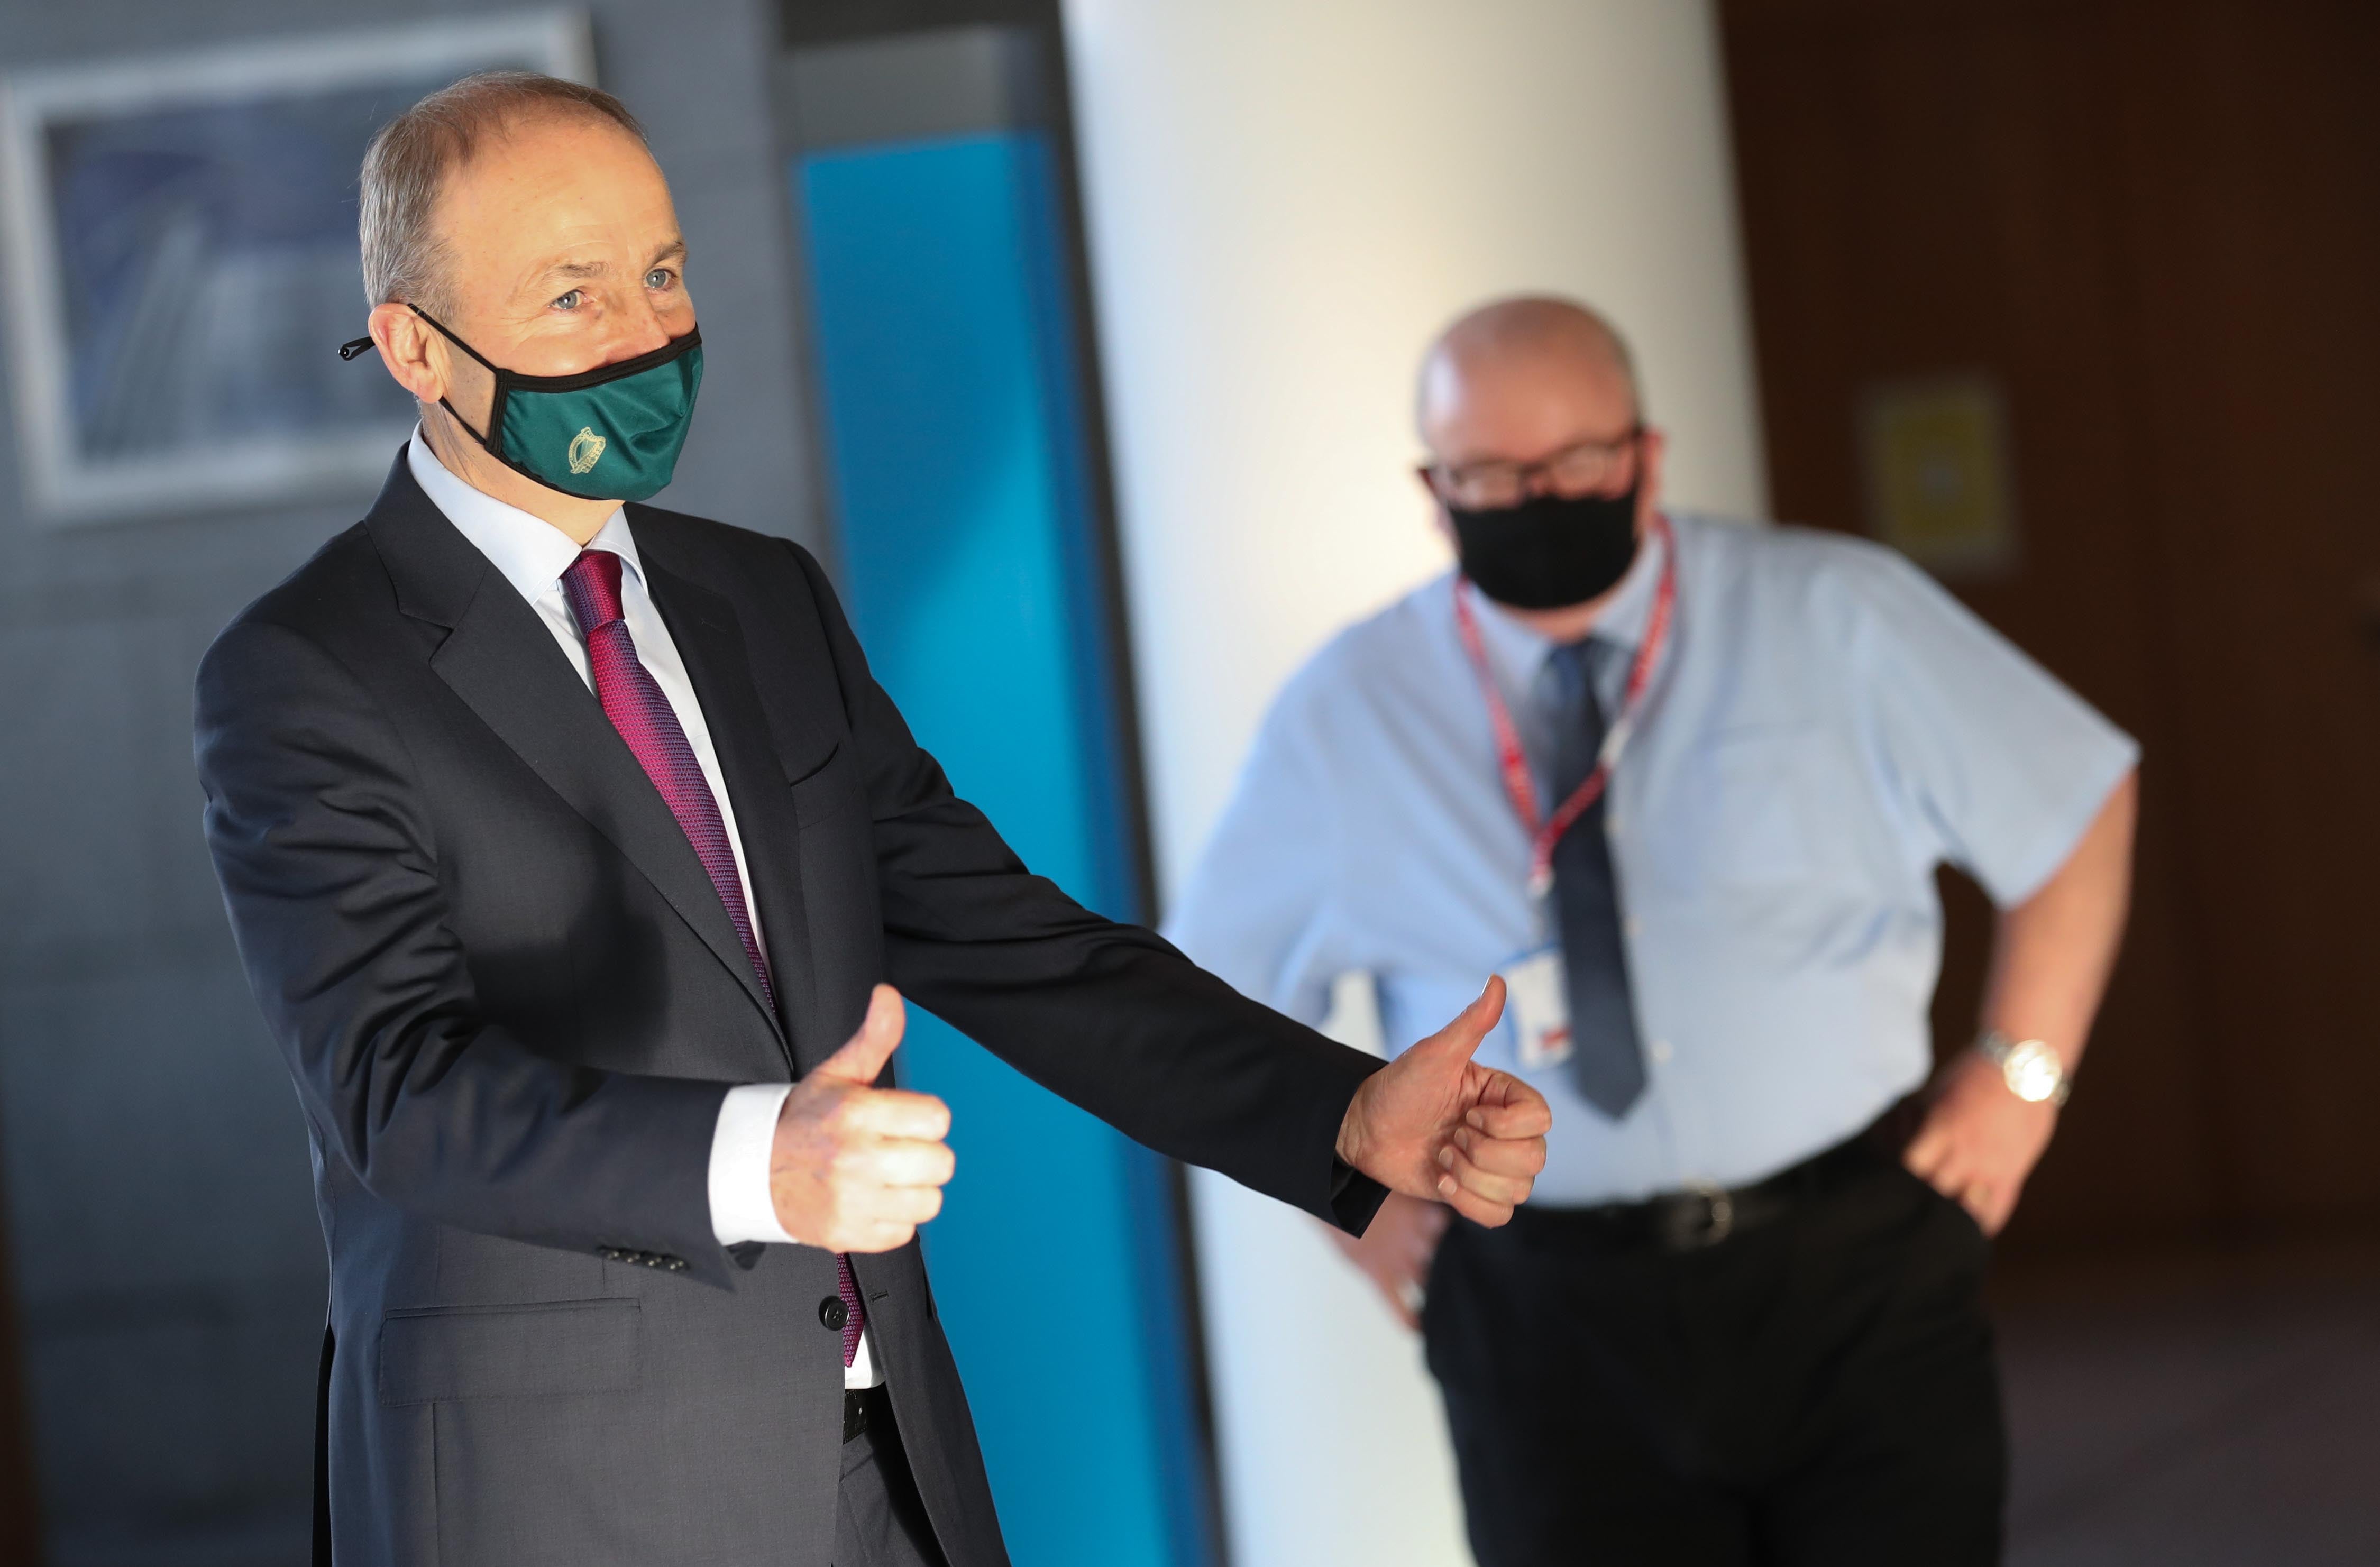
(1607, 1064)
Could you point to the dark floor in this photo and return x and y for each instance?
(2200, 1412)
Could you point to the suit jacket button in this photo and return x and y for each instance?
(832, 1313)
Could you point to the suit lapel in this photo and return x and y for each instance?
(710, 640)
(500, 658)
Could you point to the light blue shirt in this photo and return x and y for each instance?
(1826, 727)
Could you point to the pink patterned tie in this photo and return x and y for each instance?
(632, 700)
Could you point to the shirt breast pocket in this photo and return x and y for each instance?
(1748, 813)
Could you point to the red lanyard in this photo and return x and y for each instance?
(1514, 765)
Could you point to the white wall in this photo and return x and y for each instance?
(1286, 199)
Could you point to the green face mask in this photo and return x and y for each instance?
(610, 433)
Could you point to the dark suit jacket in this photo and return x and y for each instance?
(512, 1004)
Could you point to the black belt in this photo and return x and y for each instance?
(864, 1408)
(1702, 1216)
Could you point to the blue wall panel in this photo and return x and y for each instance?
(954, 435)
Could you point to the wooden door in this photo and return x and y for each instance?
(2155, 228)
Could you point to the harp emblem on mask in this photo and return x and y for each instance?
(585, 447)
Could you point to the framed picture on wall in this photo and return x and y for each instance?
(179, 234)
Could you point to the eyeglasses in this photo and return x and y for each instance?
(1591, 467)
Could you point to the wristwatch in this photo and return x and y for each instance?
(2029, 1067)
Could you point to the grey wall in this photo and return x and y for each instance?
(166, 1255)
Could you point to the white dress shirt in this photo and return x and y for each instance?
(532, 554)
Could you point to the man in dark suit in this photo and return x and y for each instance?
(569, 846)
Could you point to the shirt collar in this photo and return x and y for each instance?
(1520, 652)
(1623, 620)
(531, 552)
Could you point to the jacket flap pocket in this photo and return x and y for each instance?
(573, 1346)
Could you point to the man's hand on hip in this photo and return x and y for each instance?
(1433, 1123)
(856, 1167)
(1979, 1141)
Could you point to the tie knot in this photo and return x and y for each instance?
(592, 585)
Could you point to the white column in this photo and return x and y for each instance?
(1286, 199)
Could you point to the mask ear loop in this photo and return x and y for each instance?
(489, 441)
(494, 440)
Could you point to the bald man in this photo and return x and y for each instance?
(1684, 785)
(573, 856)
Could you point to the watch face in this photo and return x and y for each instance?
(2033, 1071)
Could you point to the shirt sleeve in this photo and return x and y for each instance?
(741, 1207)
(1995, 765)
(1253, 909)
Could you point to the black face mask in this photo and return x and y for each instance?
(1549, 551)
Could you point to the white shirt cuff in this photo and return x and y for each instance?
(741, 1208)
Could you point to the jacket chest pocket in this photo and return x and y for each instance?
(828, 791)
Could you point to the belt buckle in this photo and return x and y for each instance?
(854, 1414)
(1718, 1208)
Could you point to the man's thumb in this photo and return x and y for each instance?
(862, 1057)
(1460, 1038)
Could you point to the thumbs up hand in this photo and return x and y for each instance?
(1434, 1124)
(854, 1167)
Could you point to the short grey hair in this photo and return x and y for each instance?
(406, 165)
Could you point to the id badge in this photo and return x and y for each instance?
(1538, 1000)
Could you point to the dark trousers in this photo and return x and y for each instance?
(879, 1518)
(1817, 1389)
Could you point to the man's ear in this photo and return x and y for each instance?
(1656, 448)
(1439, 519)
(408, 349)
(1652, 447)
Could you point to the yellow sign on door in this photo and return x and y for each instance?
(1940, 488)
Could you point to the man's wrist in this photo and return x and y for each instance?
(1347, 1143)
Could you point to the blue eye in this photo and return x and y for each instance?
(571, 300)
(660, 277)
